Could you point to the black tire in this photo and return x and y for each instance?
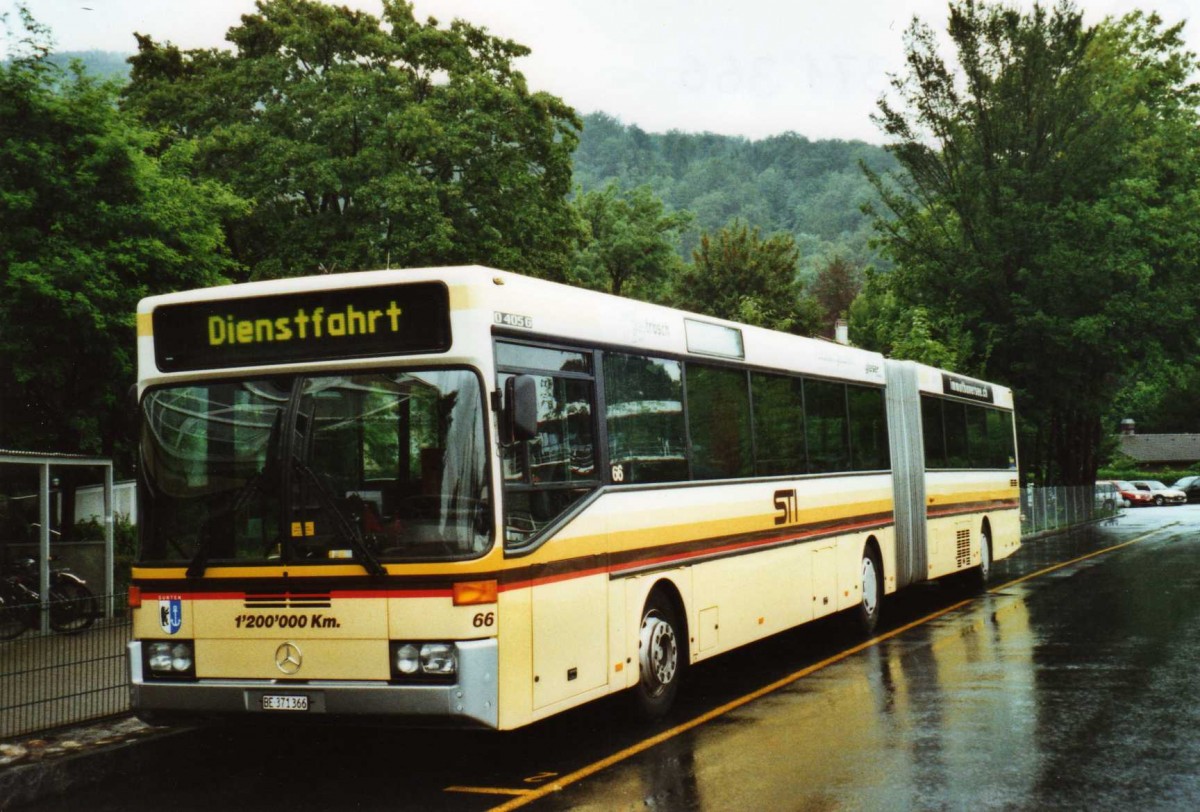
(15, 618)
(871, 585)
(983, 573)
(662, 656)
(1158, 501)
(72, 607)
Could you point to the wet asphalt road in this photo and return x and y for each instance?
(1072, 689)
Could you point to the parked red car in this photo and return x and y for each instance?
(1132, 495)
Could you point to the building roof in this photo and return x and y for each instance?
(1161, 447)
(49, 458)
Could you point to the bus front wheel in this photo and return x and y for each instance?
(660, 657)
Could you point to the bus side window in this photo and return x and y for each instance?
(719, 422)
(868, 429)
(644, 414)
(546, 474)
(779, 424)
(1002, 452)
(934, 431)
(827, 426)
(958, 454)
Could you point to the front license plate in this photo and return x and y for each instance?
(285, 703)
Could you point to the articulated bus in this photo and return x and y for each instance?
(461, 496)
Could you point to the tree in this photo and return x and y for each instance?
(91, 224)
(879, 320)
(366, 142)
(835, 288)
(1163, 398)
(740, 276)
(1048, 207)
(630, 242)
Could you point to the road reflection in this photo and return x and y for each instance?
(1003, 702)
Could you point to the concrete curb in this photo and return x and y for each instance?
(118, 746)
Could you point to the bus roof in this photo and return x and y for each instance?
(485, 302)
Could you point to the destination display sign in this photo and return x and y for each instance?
(309, 326)
(966, 388)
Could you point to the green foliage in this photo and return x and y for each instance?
(1163, 396)
(125, 546)
(1128, 470)
(812, 190)
(367, 142)
(630, 243)
(738, 275)
(1047, 210)
(912, 333)
(837, 284)
(91, 224)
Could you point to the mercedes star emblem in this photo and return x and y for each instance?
(287, 658)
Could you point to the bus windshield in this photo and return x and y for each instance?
(367, 467)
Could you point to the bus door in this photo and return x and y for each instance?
(545, 480)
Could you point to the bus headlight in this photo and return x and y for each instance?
(173, 659)
(439, 658)
(420, 659)
(407, 660)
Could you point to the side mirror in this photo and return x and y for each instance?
(520, 408)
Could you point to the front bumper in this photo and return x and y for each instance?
(471, 702)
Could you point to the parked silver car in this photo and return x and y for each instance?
(1161, 494)
(1108, 496)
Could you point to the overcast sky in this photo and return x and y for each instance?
(738, 67)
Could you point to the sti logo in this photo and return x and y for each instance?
(170, 614)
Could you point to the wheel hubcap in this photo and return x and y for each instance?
(870, 586)
(985, 551)
(658, 653)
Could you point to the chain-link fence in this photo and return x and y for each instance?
(1044, 510)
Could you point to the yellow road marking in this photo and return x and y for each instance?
(529, 796)
(666, 735)
(489, 790)
(1092, 554)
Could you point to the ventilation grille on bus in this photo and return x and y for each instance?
(963, 539)
(286, 599)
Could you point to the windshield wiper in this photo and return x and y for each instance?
(199, 562)
(344, 529)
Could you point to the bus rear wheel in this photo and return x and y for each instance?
(660, 658)
(983, 573)
(872, 591)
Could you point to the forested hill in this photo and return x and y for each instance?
(785, 183)
(105, 64)
(812, 190)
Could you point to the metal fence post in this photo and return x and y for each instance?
(109, 557)
(44, 543)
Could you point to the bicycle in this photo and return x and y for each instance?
(73, 607)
